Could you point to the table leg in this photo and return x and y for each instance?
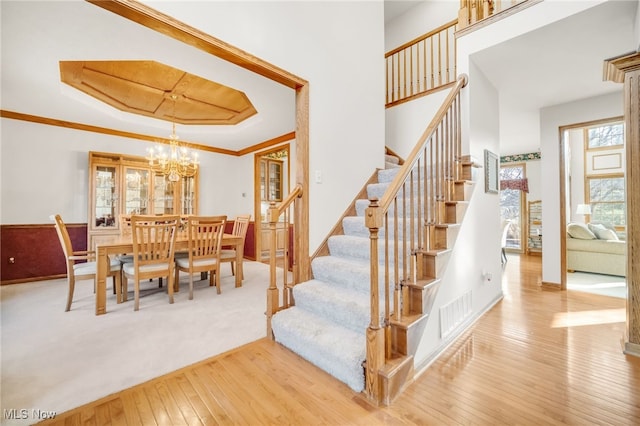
(102, 263)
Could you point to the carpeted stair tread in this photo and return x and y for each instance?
(342, 305)
(351, 247)
(391, 159)
(352, 273)
(333, 348)
(355, 226)
(377, 190)
(387, 175)
(362, 204)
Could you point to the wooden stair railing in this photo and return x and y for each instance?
(474, 12)
(418, 214)
(422, 66)
(285, 210)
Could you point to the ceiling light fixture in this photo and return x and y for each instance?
(179, 162)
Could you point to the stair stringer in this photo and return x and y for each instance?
(418, 297)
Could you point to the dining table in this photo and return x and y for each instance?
(123, 244)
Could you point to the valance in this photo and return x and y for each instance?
(521, 184)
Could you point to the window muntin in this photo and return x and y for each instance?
(511, 205)
(607, 199)
(605, 136)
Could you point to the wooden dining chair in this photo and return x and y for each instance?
(240, 226)
(84, 270)
(125, 231)
(205, 239)
(153, 240)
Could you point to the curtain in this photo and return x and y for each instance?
(521, 184)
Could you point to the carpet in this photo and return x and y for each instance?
(55, 361)
(328, 323)
(605, 285)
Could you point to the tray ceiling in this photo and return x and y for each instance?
(157, 90)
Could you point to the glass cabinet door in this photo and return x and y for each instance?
(275, 181)
(163, 194)
(263, 180)
(136, 197)
(105, 197)
(187, 196)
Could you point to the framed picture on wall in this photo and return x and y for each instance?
(491, 169)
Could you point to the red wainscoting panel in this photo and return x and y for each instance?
(249, 242)
(38, 255)
(36, 251)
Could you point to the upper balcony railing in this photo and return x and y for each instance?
(421, 66)
(474, 11)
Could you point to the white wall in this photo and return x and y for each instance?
(636, 31)
(419, 20)
(343, 62)
(405, 123)
(551, 119)
(519, 128)
(45, 171)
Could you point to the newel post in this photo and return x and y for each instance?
(273, 299)
(375, 332)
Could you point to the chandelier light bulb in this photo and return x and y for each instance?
(178, 163)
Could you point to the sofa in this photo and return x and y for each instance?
(595, 248)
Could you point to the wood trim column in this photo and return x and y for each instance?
(301, 209)
(626, 69)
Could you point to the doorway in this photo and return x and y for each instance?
(593, 203)
(272, 171)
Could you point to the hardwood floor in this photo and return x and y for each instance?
(540, 357)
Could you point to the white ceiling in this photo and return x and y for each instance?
(37, 35)
(563, 61)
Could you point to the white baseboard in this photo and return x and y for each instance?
(426, 363)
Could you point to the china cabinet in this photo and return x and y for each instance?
(125, 185)
(271, 180)
(534, 240)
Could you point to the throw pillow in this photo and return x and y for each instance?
(596, 227)
(580, 231)
(606, 234)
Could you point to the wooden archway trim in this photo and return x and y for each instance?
(175, 29)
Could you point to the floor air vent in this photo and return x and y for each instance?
(454, 313)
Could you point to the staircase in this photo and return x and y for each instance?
(328, 322)
(362, 314)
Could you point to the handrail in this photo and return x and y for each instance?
(409, 219)
(274, 213)
(385, 202)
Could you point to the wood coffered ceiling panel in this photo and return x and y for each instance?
(156, 90)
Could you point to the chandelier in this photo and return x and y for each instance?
(178, 163)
